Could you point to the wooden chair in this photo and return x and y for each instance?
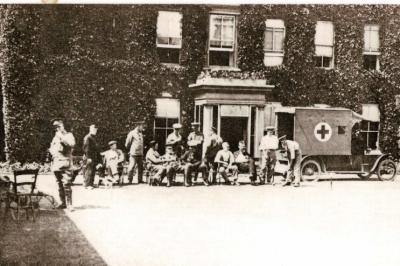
(23, 195)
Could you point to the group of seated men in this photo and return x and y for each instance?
(215, 160)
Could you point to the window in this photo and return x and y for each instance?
(222, 40)
(169, 36)
(324, 39)
(273, 42)
(167, 113)
(370, 132)
(371, 47)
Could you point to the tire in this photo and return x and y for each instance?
(310, 171)
(386, 170)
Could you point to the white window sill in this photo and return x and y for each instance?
(371, 53)
(172, 65)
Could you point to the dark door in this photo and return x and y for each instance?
(233, 130)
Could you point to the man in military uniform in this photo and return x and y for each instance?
(134, 143)
(91, 157)
(212, 145)
(198, 138)
(175, 139)
(268, 146)
(245, 162)
(192, 162)
(61, 151)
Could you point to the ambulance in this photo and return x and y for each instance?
(335, 140)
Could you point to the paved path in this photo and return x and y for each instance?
(349, 223)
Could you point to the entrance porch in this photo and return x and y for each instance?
(239, 109)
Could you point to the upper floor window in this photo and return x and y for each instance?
(169, 36)
(222, 40)
(371, 47)
(273, 42)
(324, 39)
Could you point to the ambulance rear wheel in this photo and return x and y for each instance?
(310, 171)
(386, 170)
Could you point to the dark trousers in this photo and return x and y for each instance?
(89, 173)
(248, 167)
(64, 182)
(135, 161)
(267, 166)
(197, 167)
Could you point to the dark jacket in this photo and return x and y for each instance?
(90, 148)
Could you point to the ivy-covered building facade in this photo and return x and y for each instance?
(223, 66)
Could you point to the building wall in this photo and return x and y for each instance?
(99, 64)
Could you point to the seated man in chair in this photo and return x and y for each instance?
(113, 159)
(245, 163)
(154, 163)
(192, 162)
(171, 163)
(225, 161)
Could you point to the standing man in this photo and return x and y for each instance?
(175, 139)
(91, 157)
(61, 151)
(197, 138)
(212, 144)
(294, 155)
(245, 162)
(268, 145)
(134, 143)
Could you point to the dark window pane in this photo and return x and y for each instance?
(160, 122)
(168, 55)
(373, 126)
(318, 61)
(373, 138)
(364, 125)
(370, 62)
(219, 58)
(172, 121)
(341, 130)
(326, 61)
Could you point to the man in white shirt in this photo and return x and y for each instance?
(294, 155)
(134, 143)
(268, 145)
(113, 159)
(175, 139)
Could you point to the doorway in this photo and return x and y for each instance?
(233, 130)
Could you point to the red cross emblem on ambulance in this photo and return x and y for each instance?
(323, 132)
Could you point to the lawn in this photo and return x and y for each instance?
(52, 240)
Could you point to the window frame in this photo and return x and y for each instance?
(232, 51)
(332, 58)
(170, 46)
(369, 131)
(370, 52)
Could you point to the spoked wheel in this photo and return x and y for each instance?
(310, 171)
(386, 170)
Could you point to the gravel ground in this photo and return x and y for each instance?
(344, 222)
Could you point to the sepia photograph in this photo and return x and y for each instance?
(199, 134)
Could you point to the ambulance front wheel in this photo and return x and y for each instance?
(386, 170)
(310, 171)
